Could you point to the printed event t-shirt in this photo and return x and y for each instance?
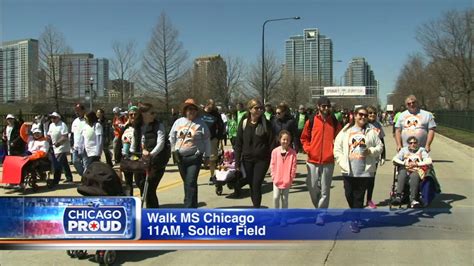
(357, 147)
(417, 124)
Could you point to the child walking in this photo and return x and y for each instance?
(283, 169)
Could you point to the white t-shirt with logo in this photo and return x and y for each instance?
(56, 132)
(417, 124)
(92, 139)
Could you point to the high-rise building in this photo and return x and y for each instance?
(309, 56)
(359, 73)
(210, 74)
(78, 71)
(19, 70)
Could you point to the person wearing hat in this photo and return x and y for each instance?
(11, 137)
(58, 133)
(118, 123)
(317, 139)
(38, 148)
(190, 143)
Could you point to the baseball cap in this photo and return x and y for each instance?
(324, 101)
(55, 114)
(10, 116)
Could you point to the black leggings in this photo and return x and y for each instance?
(129, 181)
(354, 189)
(255, 173)
(154, 178)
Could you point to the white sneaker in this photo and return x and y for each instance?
(415, 204)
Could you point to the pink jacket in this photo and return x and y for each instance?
(283, 169)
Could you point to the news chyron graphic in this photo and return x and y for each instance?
(69, 218)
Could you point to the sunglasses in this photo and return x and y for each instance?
(413, 142)
(362, 115)
(411, 103)
(372, 113)
(258, 107)
(325, 105)
(132, 114)
(278, 113)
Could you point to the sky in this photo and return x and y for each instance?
(382, 31)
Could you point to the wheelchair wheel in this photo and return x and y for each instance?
(49, 183)
(71, 253)
(99, 256)
(81, 254)
(109, 257)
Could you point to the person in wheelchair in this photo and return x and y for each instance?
(413, 162)
(38, 148)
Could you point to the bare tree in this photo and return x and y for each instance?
(294, 91)
(123, 65)
(273, 74)
(163, 60)
(450, 40)
(52, 46)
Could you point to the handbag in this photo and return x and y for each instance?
(134, 166)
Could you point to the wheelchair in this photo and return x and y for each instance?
(40, 170)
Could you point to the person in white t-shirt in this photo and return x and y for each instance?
(92, 138)
(58, 135)
(76, 132)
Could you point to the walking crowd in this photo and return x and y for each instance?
(263, 139)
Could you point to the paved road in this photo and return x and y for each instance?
(441, 238)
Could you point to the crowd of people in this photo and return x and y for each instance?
(265, 139)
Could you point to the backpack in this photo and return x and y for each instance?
(100, 179)
(311, 124)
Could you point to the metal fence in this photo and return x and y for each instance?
(463, 120)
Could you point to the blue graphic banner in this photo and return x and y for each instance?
(69, 217)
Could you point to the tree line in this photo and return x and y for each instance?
(442, 76)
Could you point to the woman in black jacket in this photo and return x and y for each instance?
(151, 142)
(14, 145)
(253, 148)
(283, 120)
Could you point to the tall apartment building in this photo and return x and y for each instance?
(310, 56)
(210, 74)
(19, 71)
(359, 73)
(76, 74)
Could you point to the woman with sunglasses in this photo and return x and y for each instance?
(253, 148)
(372, 119)
(283, 121)
(191, 143)
(150, 140)
(356, 149)
(128, 140)
(413, 161)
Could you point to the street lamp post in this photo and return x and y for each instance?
(90, 93)
(263, 52)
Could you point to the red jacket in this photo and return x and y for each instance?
(318, 143)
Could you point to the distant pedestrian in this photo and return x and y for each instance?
(14, 145)
(77, 142)
(118, 124)
(107, 127)
(92, 136)
(283, 120)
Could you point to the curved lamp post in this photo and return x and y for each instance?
(263, 52)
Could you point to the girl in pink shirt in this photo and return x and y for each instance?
(283, 169)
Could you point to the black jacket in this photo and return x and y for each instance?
(17, 145)
(288, 123)
(250, 146)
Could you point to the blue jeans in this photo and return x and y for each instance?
(62, 164)
(189, 168)
(78, 161)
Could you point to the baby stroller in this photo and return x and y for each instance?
(99, 180)
(428, 188)
(227, 174)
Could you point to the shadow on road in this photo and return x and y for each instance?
(443, 161)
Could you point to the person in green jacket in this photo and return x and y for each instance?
(232, 127)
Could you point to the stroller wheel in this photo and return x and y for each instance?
(49, 183)
(81, 254)
(35, 187)
(71, 253)
(99, 256)
(219, 190)
(109, 257)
